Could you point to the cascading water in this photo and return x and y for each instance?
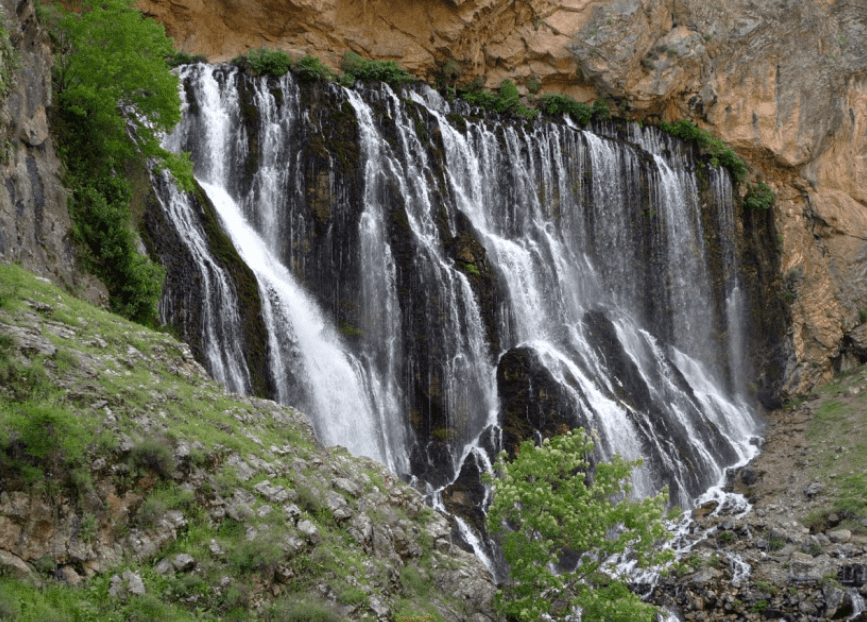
(458, 245)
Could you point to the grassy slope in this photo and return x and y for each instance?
(122, 409)
(820, 439)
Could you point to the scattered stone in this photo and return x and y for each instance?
(215, 548)
(292, 511)
(242, 469)
(164, 567)
(813, 489)
(274, 494)
(378, 606)
(115, 586)
(134, 582)
(183, 562)
(70, 576)
(338, 506)
(310, 531)
(14, 565)
(839, 536)
(294, 545)
(348, 486)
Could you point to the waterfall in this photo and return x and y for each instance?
(422, 269)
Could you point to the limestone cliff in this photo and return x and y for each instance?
(783, 82)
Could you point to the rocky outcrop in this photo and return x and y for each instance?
(758, 567)
(782, 82)
(233, 494)
(34, 221)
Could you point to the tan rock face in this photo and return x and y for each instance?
(782, 81)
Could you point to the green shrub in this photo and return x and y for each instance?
(185, 58)
(505, 101)
(719, 154)
(10, 62)
(601, 110)
(469, 268)
(352, 596)
(557, 103)
(153, 455)
(349, 330)
(265, 62)
(311, 69)
(533, 86)
(414, 581)
(507, 96)
(482, 99)
(44, 436)
(448, 75)
(760, 605)
(20, 382)
(259, 555)
(150, 512)
(759, 197)
(387, 71)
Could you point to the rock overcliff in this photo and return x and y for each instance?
(34, 220)
(783, 82)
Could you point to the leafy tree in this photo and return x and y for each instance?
(115, 94)
(111, 76)
(551, 510)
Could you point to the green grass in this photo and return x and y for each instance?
(838, 447)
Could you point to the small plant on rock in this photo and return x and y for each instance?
(759, 197)
(185, 58)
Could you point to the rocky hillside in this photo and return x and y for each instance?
(783, 82)
(805, 536)
(128, 474)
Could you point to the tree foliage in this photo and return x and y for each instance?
(111, 77)
(559, 522)
(115, 94)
